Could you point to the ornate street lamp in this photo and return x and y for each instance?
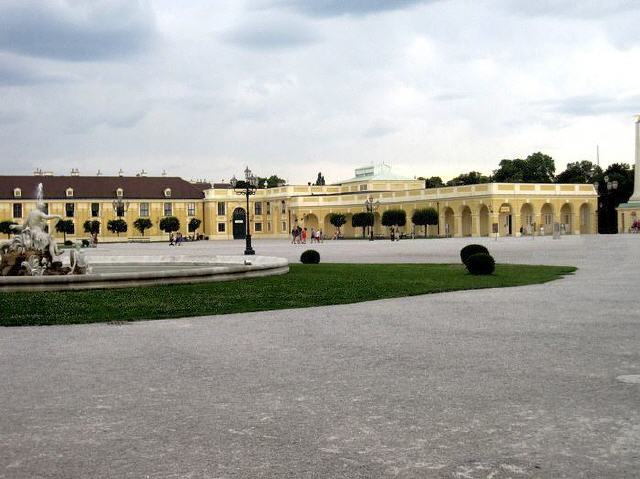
(120, 207)
(611, 187)
(371, 208)
(247, 188)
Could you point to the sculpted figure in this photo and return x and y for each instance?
(33, 234)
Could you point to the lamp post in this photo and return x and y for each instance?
(371, 208)
(120, 207)
(247, 188)
(611, 188)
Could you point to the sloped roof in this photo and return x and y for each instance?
(99, 187)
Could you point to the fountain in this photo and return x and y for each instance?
(32, 261)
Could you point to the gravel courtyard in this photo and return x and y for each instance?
(535, 381)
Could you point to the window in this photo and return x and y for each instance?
(69, 209)
(284, 210)
(72, 230)
(120, 211)
(284, 226)
(268, 225)
(363, 187)
(191, 209)
(119, 192)
(548, 218)
(221, 208)
(268, 207)
(167, 193)
(95, 210)
(258, 207)
(17, 193)
(144, 210)
(168, 209)
(69, 192)
(258, 227)
(528, 219)
(221, 227)
(17, 210)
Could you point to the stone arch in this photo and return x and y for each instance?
(505, 219)
(466, 220)
(311, 221)
(566, 218)
(585, 218)
(449, 222)
(528, 218)
(483, 218)
(546, 219)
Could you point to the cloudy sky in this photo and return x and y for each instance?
(292, 87)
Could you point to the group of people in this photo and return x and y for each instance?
(300, 235)
(176, 240)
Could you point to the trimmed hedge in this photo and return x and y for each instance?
(310, 256)
(472, 249)
(480, 264)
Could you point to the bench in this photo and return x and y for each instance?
(139, 239)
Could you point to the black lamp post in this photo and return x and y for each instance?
(371, 207)
(247, 188)
(611, 187)
(120, 207)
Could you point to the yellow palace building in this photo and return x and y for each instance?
(510, 209)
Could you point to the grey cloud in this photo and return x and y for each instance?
(10, 117)
(269, 36)
(379, 129)
(333, 8)
(15, 74)
(572, 8)
(76, 31)
(589, 105)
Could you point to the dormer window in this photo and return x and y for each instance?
(119, 192)
(167, 193)
(69, 192)
(17, 193)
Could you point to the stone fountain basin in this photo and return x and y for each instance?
(129, 271)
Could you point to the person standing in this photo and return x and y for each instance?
(393, 234)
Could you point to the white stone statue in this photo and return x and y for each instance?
(32, 233)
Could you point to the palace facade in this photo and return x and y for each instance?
(474, 210)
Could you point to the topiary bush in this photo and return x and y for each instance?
(480, 263)
(85, 243)
(472, 249)
(310, 256)
(68, 243)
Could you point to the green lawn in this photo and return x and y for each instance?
(304, 286)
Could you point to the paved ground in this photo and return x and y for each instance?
(517, 382)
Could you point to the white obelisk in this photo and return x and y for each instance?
(635, 197)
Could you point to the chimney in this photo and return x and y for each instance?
(99, 173)
(120, 172)
(636, 181)
(143, 173)
(164, 172)
(75, 172)
(37, 172)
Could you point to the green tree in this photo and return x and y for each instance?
(363, 220)
(193, 225)
(536, 168)
(273, 181)
(91, 226)
(425, 217)
(609, 200)
(471, 178)
(65, 227)
(396, 217)
(432, 182)
(579, 172)
(337, 220)
(117, 226)
(142, 224)
(169, 224)
(5, 227)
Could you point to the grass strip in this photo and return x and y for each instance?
(304, 286)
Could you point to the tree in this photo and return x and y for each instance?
(273, 181)
(424, 217)
(536, 168)
(65, 227)
(337, 220)
(142, 224)
(610, 199)
(362, 220)
(5, 227)
(92, 227)
(432, 182)
(471, 178)
(117, 226)
(394, 218)
(193, 225)
(169, 224)
(579, 172)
